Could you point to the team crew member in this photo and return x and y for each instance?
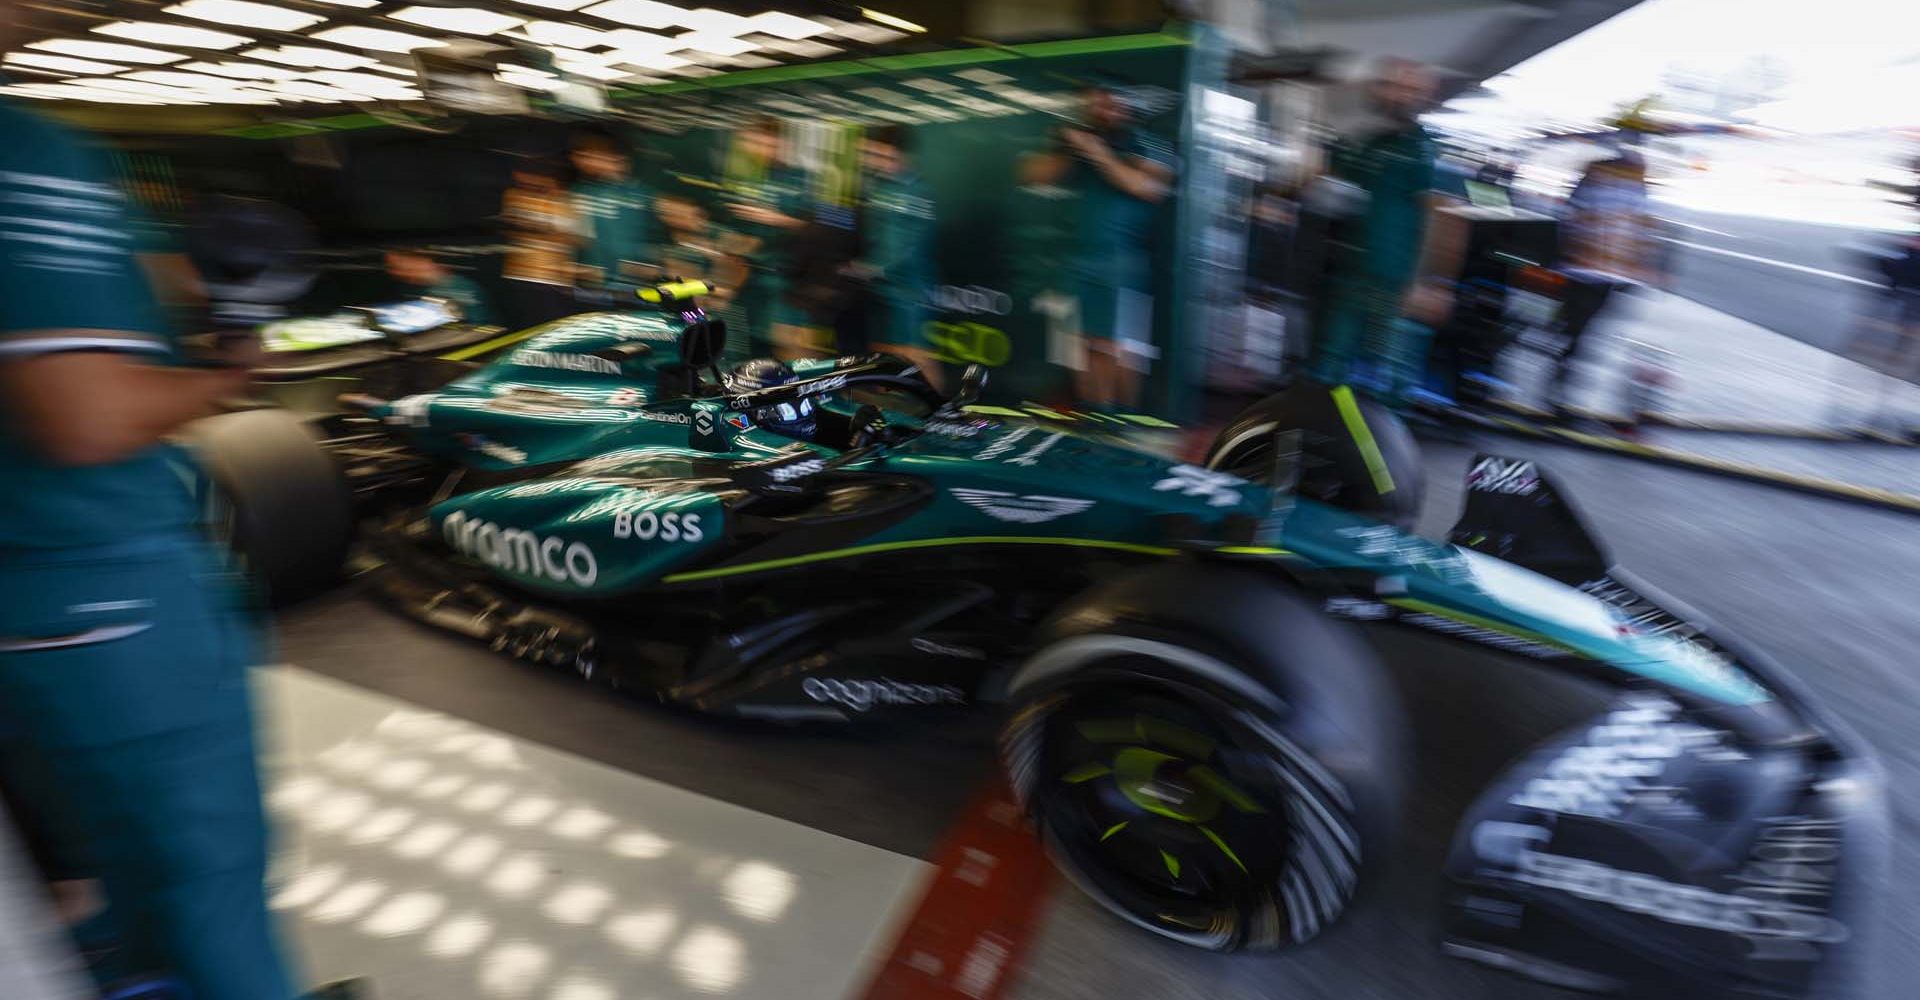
(896, 227)
(1120, 175)
(1401, 267)
(769, 201)
(421, 272)
(538, 271)
(124, 717)
(616, 212)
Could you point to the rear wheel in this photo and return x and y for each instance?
(1207, 756)
(1354, 452)
(281, 504)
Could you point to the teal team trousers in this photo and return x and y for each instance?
(126, 732)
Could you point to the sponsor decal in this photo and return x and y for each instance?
(1504, 475)
(1617, 761)
(667, 417)
(531, 358)
(626, 397)
(1356, 609)
(973, 300)
(648, 525)
(516, 550)
(703, 422)
(1032, 456)
(1003, 445)
(942, 649)
(737, 421)
(796, 470)
(861, 695)
(824, 385)
(1219, 488)
(493, 449)
(1483, 636)
(1689, 906)
(1028, 509)
(964, 429)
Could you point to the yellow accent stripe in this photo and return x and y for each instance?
(919, 543)
(1224, 849)
(995, 411)
(1115, 828)
(1085, 773)
(1172, 863)
(1486, 623)
(1252, 550)
(489, 346)
(1363, 436)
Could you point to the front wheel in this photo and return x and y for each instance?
(1207, 756)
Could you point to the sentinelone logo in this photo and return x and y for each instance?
(861, 695)
(516, 550)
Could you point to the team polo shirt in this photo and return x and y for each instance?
(69, 281)
(620, 227)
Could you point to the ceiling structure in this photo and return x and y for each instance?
(305, 53)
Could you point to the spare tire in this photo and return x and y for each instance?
(282, 505)
(1355, 453)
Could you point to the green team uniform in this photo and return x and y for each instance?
(125, 726)
(1374, 271)
(464, 293)
(1111, 258)
(896, 225)
(620, 225)
(784, 190)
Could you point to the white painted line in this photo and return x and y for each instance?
(1802, 268)
(1699, 228)
(440, 858)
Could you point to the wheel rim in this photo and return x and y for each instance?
(1155, 805)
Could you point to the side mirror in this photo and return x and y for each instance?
(972, 381)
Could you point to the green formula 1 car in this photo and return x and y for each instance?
(1194, 713)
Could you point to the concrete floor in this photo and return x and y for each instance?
(1827, 587)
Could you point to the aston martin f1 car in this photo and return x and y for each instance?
(1194, 715)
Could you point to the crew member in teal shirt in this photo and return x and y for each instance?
(769, 201)
(1379, 308)
(421, 272)
(125, 725)
(896, 260)
(616, 211)
(1120, 175)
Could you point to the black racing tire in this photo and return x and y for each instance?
(1214, 715)
(1355, 453)
(281, 503)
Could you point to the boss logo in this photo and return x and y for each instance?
(668, 527)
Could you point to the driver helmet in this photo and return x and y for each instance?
(794, 419)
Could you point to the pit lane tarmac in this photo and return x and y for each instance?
(781, 861)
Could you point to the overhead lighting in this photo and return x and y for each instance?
(466, 20)
(719, 45)
(596, 71)
(243, 14)
(652, 60)
(376, 39)
(362, 4)
(313, 92)
(890, 21)
(242, 71)
(309, 56)
(639, 13)
(113, 51)
(629, 40)
(131, 87)
(60, 63)
(556, 4)
(172, 34)
(717, 22)
(566, 36)
(784, 25)
(172, 78)
(804, 50)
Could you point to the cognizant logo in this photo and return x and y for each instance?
(516, 550)
(861, 695)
